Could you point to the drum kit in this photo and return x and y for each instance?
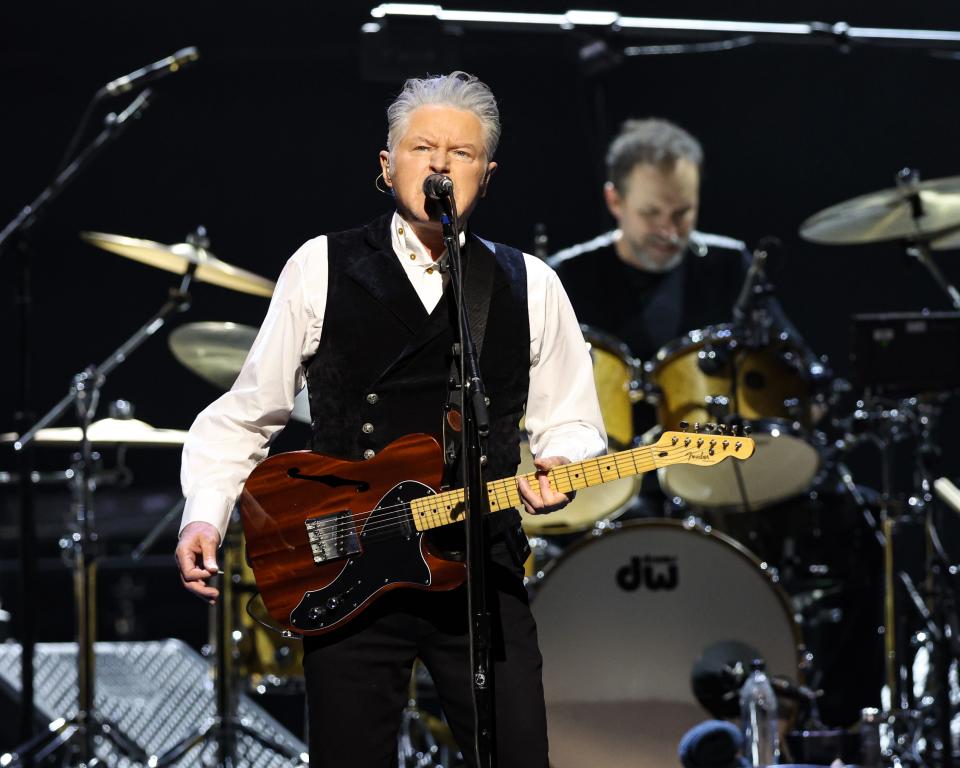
(646, 625)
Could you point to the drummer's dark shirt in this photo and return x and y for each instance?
(647, 310)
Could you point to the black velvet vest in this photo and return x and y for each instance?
(382, 367)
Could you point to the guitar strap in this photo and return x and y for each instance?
(477, 290)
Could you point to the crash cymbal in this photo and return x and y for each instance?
(177, 258)
(107, 432)
(215, 351)
(887, 215)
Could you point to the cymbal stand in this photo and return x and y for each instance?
(946, 590)
(81, 731)
(918, 247)
(887, 425)
(226, 725)
(417, 744)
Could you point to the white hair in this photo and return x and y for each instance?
(459, 90)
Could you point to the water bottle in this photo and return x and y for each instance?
(870, 753)
(758, 707)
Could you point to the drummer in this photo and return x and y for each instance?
(655, 277)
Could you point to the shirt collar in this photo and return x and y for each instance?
(408, 247)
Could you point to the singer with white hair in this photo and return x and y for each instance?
(362, 317)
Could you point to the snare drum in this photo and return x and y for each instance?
(616, 373)
(708, 376)
(624, 615)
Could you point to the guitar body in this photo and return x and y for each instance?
(327, 536)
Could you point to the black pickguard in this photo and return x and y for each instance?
(390, 554)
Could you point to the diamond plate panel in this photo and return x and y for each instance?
(157, 692)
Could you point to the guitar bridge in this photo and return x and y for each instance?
(332, 537)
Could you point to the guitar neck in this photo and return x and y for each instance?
(444, 508)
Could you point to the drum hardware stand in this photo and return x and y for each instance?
(752, 322)
(946, 593)
(226, 725)
(417, 744)
(919, 247)
(143, 547)
(80, 732)
(903, 723)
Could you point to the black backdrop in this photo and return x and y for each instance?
(272, 138)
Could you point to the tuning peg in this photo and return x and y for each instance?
(747, 429)
(709, 427)
(684, 426)
(722, 429)
(696, 426)
(734, 429)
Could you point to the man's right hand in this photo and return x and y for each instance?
(197, 559)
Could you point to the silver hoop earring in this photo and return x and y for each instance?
(376, 183)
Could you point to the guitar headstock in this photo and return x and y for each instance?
(704, 448)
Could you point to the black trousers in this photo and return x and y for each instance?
(357, 678)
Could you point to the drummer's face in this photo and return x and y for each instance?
(656, 212)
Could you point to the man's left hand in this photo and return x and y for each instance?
(548, 499)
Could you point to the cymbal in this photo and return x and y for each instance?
(947, 242)
(177, 258)
(886, 215)
(107, 432)
(215, 351)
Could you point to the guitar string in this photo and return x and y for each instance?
(399, 515)
(406, 516)
(384, 526)
(344, 529)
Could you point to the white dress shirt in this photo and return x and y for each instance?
(233, 434)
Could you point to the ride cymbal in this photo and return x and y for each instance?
(178, 258)
(888, 215)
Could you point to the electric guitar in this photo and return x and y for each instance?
(327, 536)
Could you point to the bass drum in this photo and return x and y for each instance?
(616, 374)
(624, 616)
(708, 376)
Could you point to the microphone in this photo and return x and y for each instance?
(151, 72)
(437, 186)
(756, 268)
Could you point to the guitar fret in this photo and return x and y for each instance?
(440, 509)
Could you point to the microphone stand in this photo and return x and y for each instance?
(751, 323)
(21, 225)
(476, 429)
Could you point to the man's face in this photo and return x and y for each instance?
(438, 139)
(656, 212)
